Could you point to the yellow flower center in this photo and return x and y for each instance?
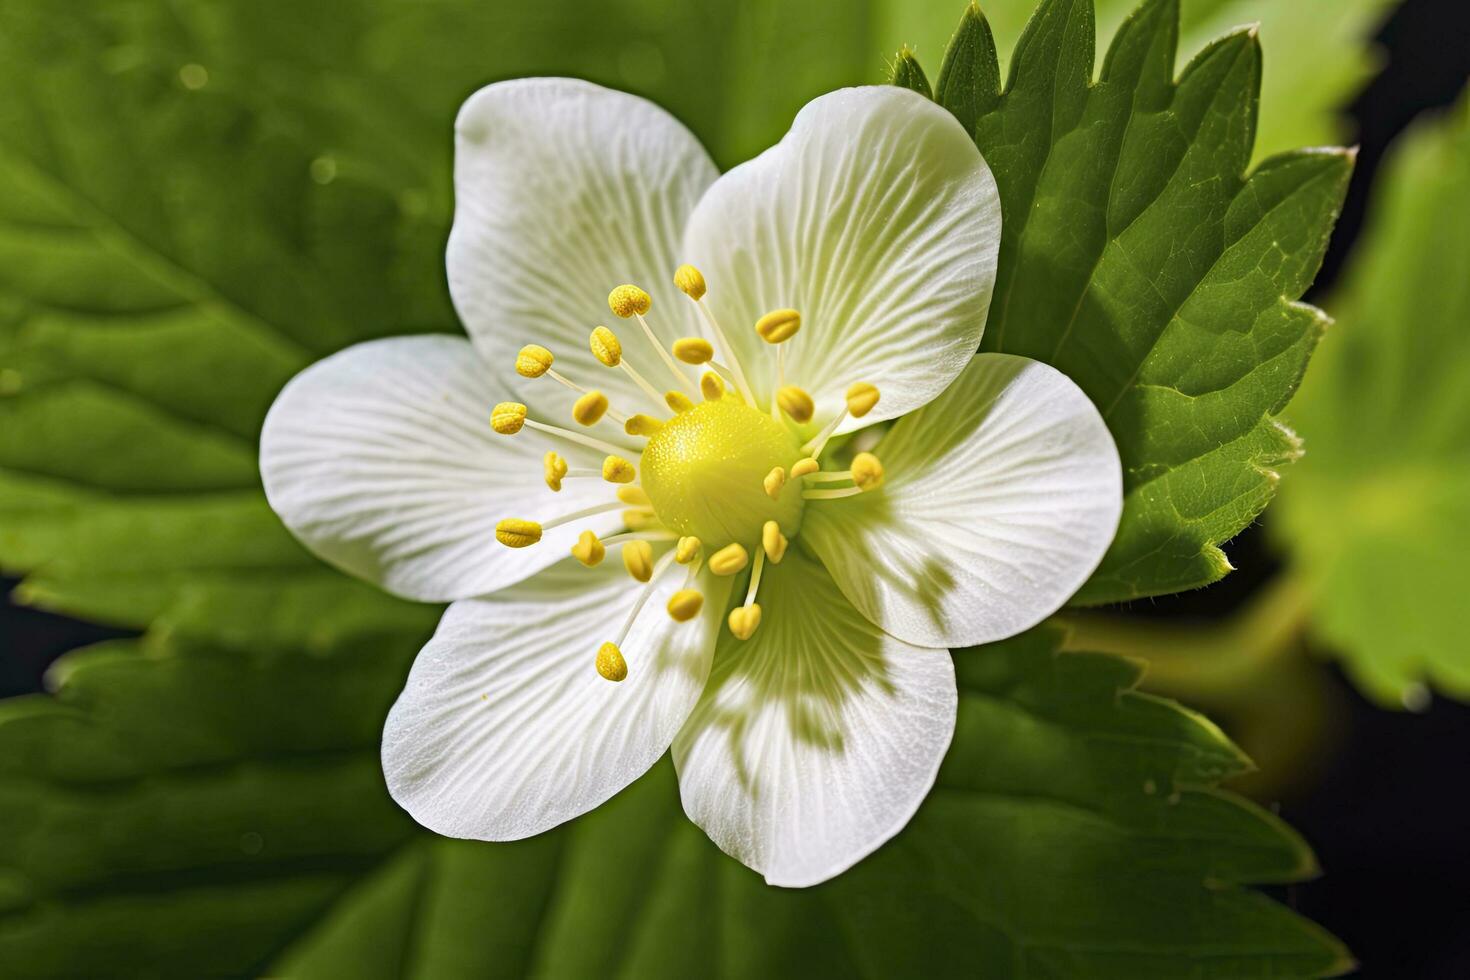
(720, 485)
(704, 469)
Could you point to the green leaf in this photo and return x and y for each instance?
(1377, 518)
(1320, 53)
(1077, 830)
(1136, 258)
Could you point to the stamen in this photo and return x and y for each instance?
(830, 494)
(577, 437)
(728, 560)
(774, 481)
(507, 418)
(685, 604)
(628, 300)
(723, 373)
(533, 361)
(623, 536)
(555, 468)
(662, 353)
(642, 425)
(745, 619)
(589, 409)
(616, 469)
(693, 350)
(687, 550)
(866, 473)
(795, 403)
(605, 346)
(563, 379)
(712, 386)
(516, 533)
(641, 519)
(638, 559)
(805, 466)
(613, 673)
(589, 550)
(634, 497)
(678, 401)
(755, 578)
(861, 397)
(610, 662)
(814, 447)
(773, 542)
(778, 326)
(689, 279)
(641, 381)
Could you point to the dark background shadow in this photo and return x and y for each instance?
(1386, 811)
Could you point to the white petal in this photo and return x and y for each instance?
(816, 739)
(878, 220)
(564, 190)
(382, 461)
(505, 728)
(1000, 498)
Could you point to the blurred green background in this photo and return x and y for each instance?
(199, 198)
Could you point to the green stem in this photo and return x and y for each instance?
(1201, 658)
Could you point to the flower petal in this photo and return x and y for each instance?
(506, 729)
(382, 461)
(1000, 498)
(878, 220)
(564, 190)
(817, 738)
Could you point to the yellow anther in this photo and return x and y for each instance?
(642, 425)
(533, 361)
(638, 560)
(628, 300)
(555, 468)
(507, 418)
(515, 533)
(744, 620)
(634, 497)
(774, 481)
(588, 409)
(778, 326)
(795, 403)
(606, 347)
(677, 401)
(804, 467)
(774, 542)
(693, 350)
(690, 280)
(867, 472)
(616, 469)
(861, 397)
(712, 386)
(641, 519)
(685, 604)
(687, 549)
(610, 662)
(588, 550)
(728, 560)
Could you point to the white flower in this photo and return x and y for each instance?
(808, 723)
